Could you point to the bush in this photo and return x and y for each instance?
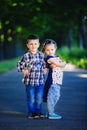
(75, 56)
(78, 53)
(82, 63)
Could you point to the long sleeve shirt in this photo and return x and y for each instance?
(35, 64)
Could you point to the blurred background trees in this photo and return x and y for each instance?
(63, 21)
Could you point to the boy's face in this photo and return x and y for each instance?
(50, 50)
(33, 45)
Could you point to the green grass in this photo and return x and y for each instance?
(8, 64)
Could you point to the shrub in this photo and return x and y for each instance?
(75, 56)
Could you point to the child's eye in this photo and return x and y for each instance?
(30, 43)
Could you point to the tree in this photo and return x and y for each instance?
(47, 18)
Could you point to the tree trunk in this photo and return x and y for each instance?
(84, 32)
(8, 46)
(70, 38)
(80, 40)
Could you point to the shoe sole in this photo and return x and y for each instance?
(42, 116)
(33, 117)
(55, 117)
(36, 117)
(30, 117)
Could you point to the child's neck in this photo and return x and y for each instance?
(52, 55)
(34, 52)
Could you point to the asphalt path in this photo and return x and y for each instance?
(72, 104)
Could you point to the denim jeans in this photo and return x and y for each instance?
(53, 97)
(34, 98)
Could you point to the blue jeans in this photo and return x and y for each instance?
(34, 98)
(53, 97)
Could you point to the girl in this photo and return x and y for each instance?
(54, 78)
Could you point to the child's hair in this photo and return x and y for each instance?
(48, 42)
(30, 37)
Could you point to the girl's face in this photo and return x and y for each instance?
(50, 49)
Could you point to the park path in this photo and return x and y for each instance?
(72, 105)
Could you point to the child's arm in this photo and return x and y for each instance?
(45, 70)
(56, 63)
(26, 72)
(21, 67)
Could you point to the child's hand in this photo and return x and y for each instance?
(45, 71)
(26, 72)
(53, 66)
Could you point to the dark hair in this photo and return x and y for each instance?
(30, 37)
(48, 42)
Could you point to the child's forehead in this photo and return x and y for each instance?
(33, 41)
(50, 46)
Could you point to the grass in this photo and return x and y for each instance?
(8, 64)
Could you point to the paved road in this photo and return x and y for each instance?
(72, 105)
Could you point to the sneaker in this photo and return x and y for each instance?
(41, 115)
(33, 115)
(54, 116)
(36, 115)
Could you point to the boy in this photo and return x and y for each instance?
(32, 66)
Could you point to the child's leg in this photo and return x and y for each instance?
(53, 97)
(57, 94)
(30, 98)
(39, 98)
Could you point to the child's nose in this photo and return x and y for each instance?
(33, 45)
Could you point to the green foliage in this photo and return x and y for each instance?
(78, 53)
(75, 56)
(63, 51)
(82, 63)
(59, 20)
